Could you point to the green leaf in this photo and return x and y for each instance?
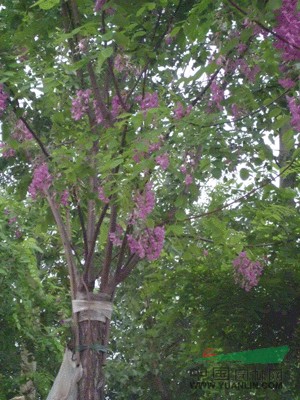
(180, 215)
(46, 4)
(103, 56)
(274, 4)
(176, 229)
(244, 174)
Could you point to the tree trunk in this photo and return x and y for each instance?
(91, 385)
(94, 337)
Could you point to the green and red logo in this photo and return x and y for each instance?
(269, 355)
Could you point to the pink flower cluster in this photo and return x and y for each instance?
(187, 169)
(7, 152)
(286, 83)
(168, 39)
(99, 4)
(101, 195)
(80, 104)
(116, 237)
(13, 224)
(288, 27)
(241, 48)
(250, 73)
(98, 113)
(64, 198)
(148, 101)
(156, 145)
(116, 107)
(149, 244)
(246, 70)
(145, 202)
(180, 112)
(247, 272)
(145, 242)
(188, 180)
(41, 181)
(217, 95)
(21, 133)
(152, 147)
(163, 161)
(3, 99)
(295, 111)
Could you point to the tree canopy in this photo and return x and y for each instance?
(159, 142)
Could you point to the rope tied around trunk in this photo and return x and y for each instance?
(98, 347)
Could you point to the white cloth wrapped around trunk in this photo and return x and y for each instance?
(65, 384)
(93, 310)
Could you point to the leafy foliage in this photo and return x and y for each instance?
(126, 126)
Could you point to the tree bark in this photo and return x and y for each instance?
(94, 336)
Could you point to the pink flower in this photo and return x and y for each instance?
(217, 95)
(205, 253)
(188, 180)
(18, 233)
(188, 109)
(64, 198)
(241, 47)
(180, 112)
(183, 169)
(102, 196)
(98, 113)
(3, 99)
(116, 237)
(154, 147)
(120, 63)
(288, 27)
(149, 244)
(246, 272)
(168, 39)
(116, 106)
(21, 132)
(138, 156)
(148, 101)
(286, 83)
(7, 152)
(41, 181)
(12, 220)
(295, 111)
(145, 202)
(136, 246)
(80, 104)
(163, 161)
(99, 4)
(250, 73)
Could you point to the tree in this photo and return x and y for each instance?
(100, 127)
(31, 301)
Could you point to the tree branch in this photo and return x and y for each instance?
(261, 25)
(109, 248)
(127, 269)
(241, 198)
